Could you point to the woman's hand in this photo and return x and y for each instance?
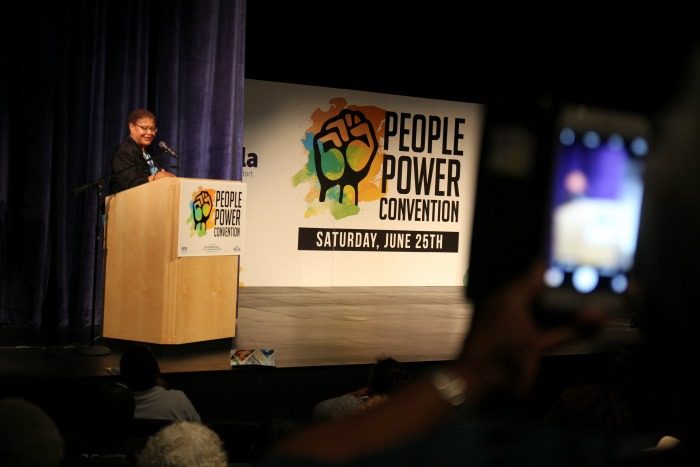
(162, 173)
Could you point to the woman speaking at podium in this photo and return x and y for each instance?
(132, 165)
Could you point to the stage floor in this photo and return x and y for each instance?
(346, 325)
(306, 326)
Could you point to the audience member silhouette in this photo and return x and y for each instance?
(183, 444)
(387, 374)
(456, 416)
(140, 372)
(28, 436)
(108, 421)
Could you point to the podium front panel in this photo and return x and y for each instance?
(151, 295)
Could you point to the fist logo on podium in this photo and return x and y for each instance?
(344, 149)
(201, 210)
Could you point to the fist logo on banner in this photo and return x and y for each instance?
(344, 149)
(201, 210)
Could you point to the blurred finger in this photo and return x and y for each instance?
(531, 283)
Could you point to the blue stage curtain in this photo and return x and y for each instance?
(72, 71)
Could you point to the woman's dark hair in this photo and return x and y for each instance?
(138, 114)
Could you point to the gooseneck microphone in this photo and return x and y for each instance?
(163, 145)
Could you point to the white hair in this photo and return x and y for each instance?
(183, 444)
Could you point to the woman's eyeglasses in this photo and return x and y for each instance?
(146, 129)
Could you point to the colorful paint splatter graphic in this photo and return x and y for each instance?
(201, 210)
(344, 158)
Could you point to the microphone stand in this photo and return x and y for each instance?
(93, 349)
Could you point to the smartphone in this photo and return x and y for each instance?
(594, 208)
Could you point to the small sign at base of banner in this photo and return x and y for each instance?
(244, 357)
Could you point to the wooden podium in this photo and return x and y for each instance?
(151, 294)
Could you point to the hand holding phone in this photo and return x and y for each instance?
(595, 205)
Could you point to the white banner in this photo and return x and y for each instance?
(212, 217)
(351, 188)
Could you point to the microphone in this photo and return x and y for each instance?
(163, 145)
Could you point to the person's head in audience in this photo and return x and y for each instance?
(28, 436)
(387, 374)
(183, 444)
(139, 368)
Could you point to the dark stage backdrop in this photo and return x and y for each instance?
(71, 72)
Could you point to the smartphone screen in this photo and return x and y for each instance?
(595, 202)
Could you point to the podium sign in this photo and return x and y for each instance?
(212, 215)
